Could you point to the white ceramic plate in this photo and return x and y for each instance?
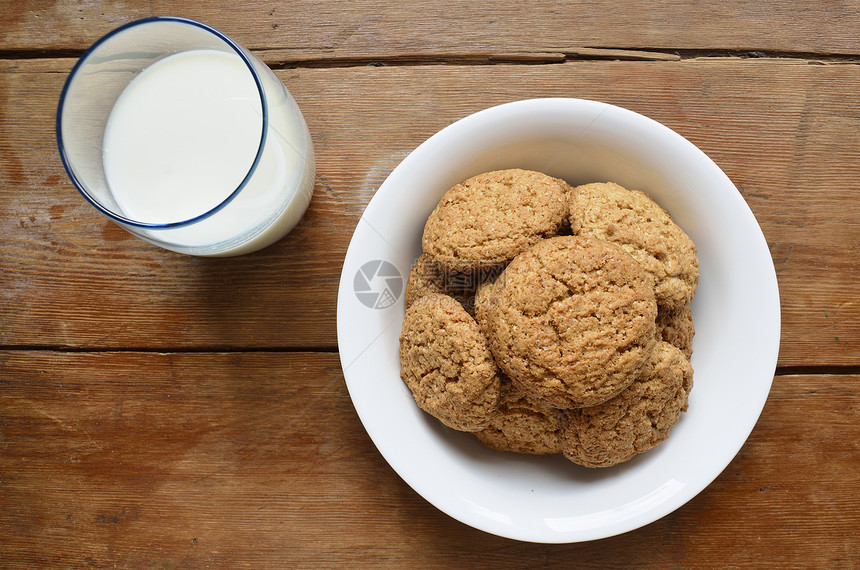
(736, 314)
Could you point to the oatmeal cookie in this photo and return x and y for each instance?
(491, 217)
(570, 320)
(675, 326)
(634, 421)
(633, 220)
(522, 424)
(445, 362)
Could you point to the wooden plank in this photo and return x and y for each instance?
(784, 132)
(139, 459)
(381, 29)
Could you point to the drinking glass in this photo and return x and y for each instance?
(184, 138)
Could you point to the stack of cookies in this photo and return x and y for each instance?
(546, 318)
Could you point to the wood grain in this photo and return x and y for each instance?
(783, 131)
(320, 30)
(138, 459)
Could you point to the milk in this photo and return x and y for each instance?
(182, 137)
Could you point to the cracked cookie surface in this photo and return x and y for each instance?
(492, 217)
(571, 320)
(447, 365)
(634, 421)
(638, 224)
(675, 326)
(522, 424)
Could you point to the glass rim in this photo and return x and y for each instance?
(264, 127)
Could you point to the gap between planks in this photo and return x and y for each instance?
(289, 59)
(169, 349)
(804, 370)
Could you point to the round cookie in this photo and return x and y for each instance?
(675, 326)
(445, 362)
(634, 221)
(634, 421)
(522, 424)
(570, 321)
(490, 218)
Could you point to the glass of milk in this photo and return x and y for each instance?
(185, 139)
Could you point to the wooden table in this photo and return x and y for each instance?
(158, 410)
